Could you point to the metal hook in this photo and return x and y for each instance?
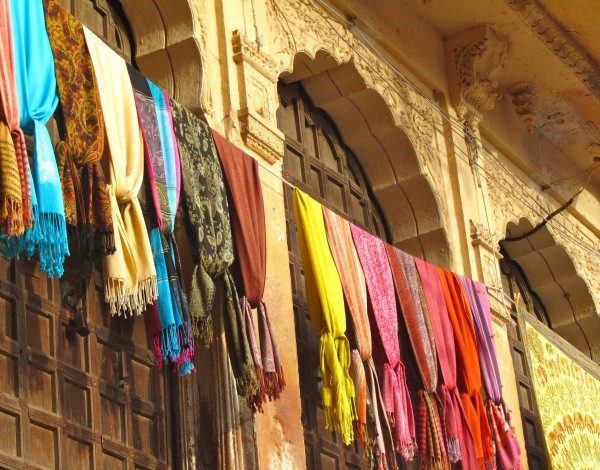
(76, 303)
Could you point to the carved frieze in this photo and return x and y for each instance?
(525, 101)
(476, 58)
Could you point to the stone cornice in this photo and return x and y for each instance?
(559, 42)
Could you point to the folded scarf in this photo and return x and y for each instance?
(87, 207)
(354, 285)
(249, 234)
(15, 192)
(327, 314)
(507, 448)
(380, 285)
(36, 88)
(469, 382)
(129, 274)
(432, 448)
(459, 440)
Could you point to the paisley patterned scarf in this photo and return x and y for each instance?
(507, 448)
(15, 193)
(36, 87)
(87, 207)
(469, 384)
(432, 448)
(205, 204)
(129, 274)
(380, 284)
(459, 443)
(327, 315)
(249, 234)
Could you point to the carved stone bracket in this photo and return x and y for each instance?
(525, 101)
(258, 99)
(476, 58)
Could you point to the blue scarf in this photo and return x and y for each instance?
(38, 98)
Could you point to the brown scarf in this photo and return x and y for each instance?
(244, 193)
(15, 196)
(87, 207)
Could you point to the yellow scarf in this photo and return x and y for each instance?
(129, 274)
(327, 315)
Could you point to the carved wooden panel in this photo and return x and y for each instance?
(316, 161)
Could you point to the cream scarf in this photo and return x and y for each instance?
(129, 274)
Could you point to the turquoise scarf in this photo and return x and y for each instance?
(38, 98)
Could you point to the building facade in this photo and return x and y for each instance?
(455, 131)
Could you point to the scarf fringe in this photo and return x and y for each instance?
(130, 301)
(247, 383)
(11, 214)
(203, 330)
(93, 243)
(340, 417)
(53, 244)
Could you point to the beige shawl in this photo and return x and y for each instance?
(129, 274)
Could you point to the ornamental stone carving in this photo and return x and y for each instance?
(476, 58)
(525, 101)
(258, 99)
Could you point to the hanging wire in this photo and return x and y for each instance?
(508, 177)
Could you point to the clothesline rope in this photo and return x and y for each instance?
(293, 186)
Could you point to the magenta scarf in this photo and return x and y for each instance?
(459, 439)
(506, 445)
(380, 285)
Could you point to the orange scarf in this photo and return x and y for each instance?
(469, 374)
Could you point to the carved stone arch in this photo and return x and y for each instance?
(387, 151)
(167, 35)
(565, 293)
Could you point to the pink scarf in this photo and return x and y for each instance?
(380, 284)
(459, 439)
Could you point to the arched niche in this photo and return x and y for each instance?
(167, 36)
(384, 149)
(551, 274)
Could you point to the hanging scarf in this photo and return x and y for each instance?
(327, 315)
(249, 234)
(15, 193)
(36, 87)
(87, 207)
(507, 448)
(354, 285)
(432, 449)
(459, 440)
(129, 274)
(380, 284)
(469, 382)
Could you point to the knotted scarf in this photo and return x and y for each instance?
(469, 378)
(169, 333)
(432, 448)
(327, 315)
(129, 274)
(15, 192)
(380, 284)
(459, 441)
(249, 234)
(36, 87)
(87, 207)
(507, 448)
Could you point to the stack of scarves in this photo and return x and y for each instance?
(327, 314)
(86, 203)
(130, 282)
(507, 448)
(469, 382)
(458, 434)
(430, 429)
(36, 89)
(354, 286)
(372, 253)
(15, 192)
(249, 234)
(169, 318)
